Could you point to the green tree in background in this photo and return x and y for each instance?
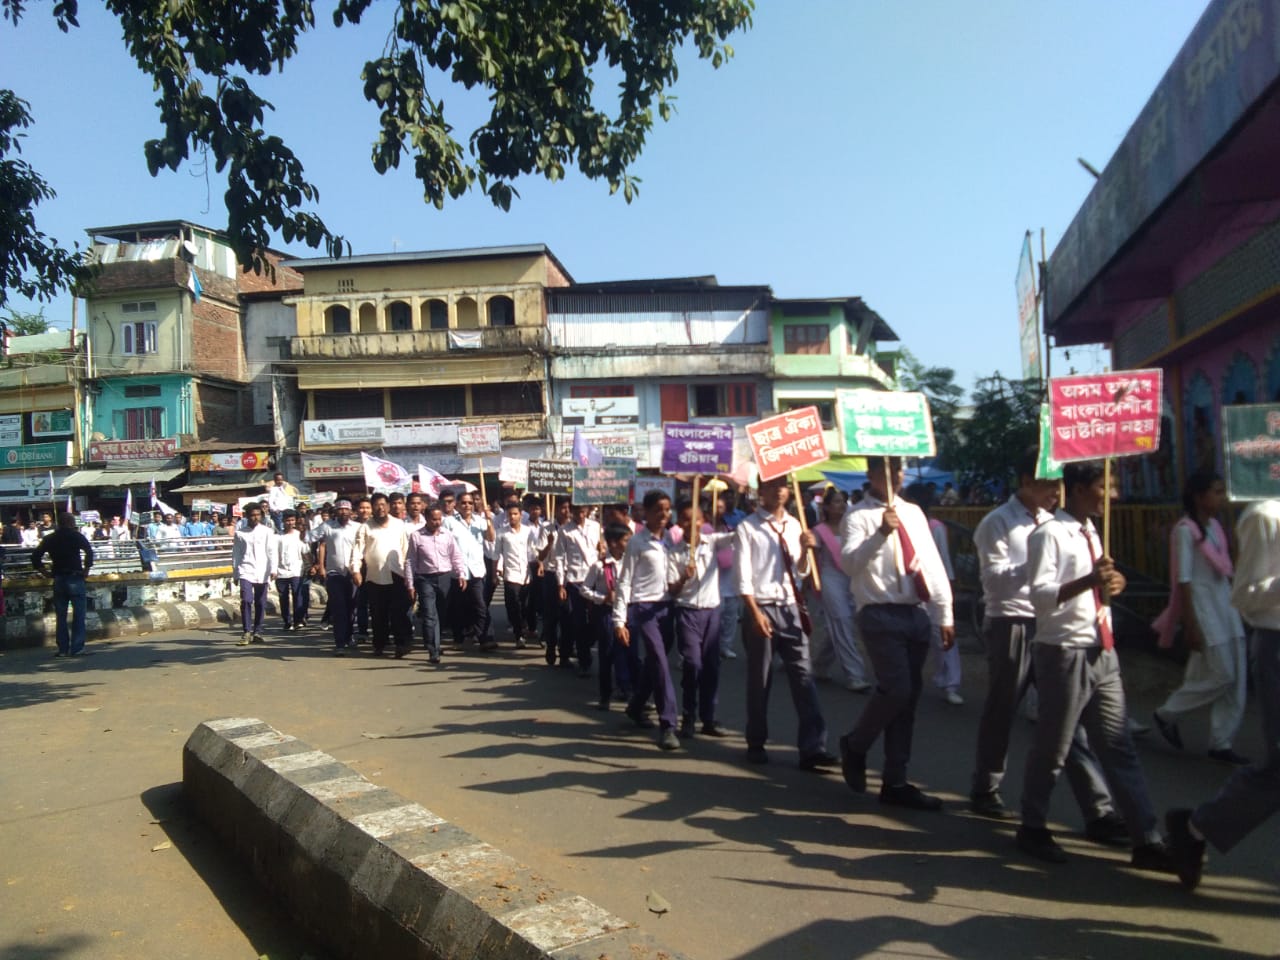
(938, 384)
(1005, 421)
(537, 61)
(22, 324)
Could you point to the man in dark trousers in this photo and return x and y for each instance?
(71, 557)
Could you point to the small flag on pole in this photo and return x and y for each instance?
(585, 453)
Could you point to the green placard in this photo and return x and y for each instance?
(878, 423)
(1047, 468)
(35, 455)
(1251, 435)
(608, 483)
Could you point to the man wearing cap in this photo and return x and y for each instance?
(333, 551)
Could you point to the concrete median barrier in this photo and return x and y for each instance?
(370, 873)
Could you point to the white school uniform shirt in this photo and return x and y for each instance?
(760, 570)
(470, 538)
(1001, 544)
(1210, 591)
(253, 554)
(512, 555)
(292, 555)
(1058, 552)
(576, 549)
(538, 537)
(643, 574)
(703, 591)
(1256, 592)
(874, 562)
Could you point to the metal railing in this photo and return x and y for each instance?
(135, 556)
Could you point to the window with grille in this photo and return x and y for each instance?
(141, 423)
(341, 404)
(490, 398)
(724, 400)
(417, 403)
(139, 338)
(806, 338)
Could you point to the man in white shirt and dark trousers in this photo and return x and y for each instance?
(578, 545)
(1078, 673)
(642, 614)
(1253, 793)
(511, 567)
(902, 591)
(773, 557)
(293, 558)
(471, 530)
(253, 563)
(380, 548)
(1008, 629)
(333, 553)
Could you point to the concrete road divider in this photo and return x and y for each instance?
(371, 874)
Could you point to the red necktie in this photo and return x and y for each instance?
(912, 564)
(1104, 622)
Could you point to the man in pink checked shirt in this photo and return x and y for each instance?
(433, 563)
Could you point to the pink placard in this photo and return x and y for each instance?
(1105, 415)
(788, 442)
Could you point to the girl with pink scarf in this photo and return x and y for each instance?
(1200, 603)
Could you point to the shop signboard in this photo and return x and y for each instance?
(217, 462)
(105, 451)
(366, 431)
(52, 454)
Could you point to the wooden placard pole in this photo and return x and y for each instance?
(1106, 508)
(696, 527)
(715, 505)
(888, 484)
(484, 499)
(804, 525)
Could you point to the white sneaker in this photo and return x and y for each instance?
(953, 697)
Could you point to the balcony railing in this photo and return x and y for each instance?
(419, 343)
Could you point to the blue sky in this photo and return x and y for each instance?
(894, 150)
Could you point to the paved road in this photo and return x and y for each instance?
(764, 863)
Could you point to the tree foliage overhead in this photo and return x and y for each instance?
(1005, 422)
(938, 384)
(537, 60)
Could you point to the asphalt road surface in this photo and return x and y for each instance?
(99, 860)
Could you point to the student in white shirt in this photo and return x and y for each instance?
(600, 590)
(511, 568)
(1252, 795)
(379, 549)
(555, 636)
(577, 547)
(293, 559)
(471, 530)
(535, 527)
(1200, 601)
(1008, 627)
(253, 566)
(642, 615)
(902, 591)
(1078, 673)
(773, 558)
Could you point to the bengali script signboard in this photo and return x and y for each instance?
(477, 439)
(551, 476)
(877, 423)
(102, 451)
(787, 442)
(215, 462)
(1105, 415)
(1252, 436)
(704, 448)
(514, 470)
(608, 483)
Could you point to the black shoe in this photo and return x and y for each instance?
(1110, 830)
(988, 805)
(667, 739)
(1187, 851)
(58, 655)
(1227, 755)
(639, 719)
(853, 766)
(1039, 843)
(686, 728)
(602, 705)
(820, 761)
(433, 658)
(714, 729)
(757, 755)
(400, 652)
(910, 796)
(378, 653)
(1168, 730)
(339, 651)
(1154, 856)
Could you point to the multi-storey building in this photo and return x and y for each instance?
(821, 345)
(40, 424)
(392, 351)
(628, 356)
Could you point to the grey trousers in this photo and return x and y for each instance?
(789, 643)
(897, 640)
(1009, 676)
(1081, 685)
(1253, 793)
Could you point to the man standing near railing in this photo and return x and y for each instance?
(71, 556)
(253, 566)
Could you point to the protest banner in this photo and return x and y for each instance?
(384, 476)
(1099, 416)
(477, 439)
(607, 483)
(200, 505)
(90, 516)
(787, 442)
(643, 485)
(553, 477)
(514, 470)
(1251, 433)
(881, 423)
(700, 448)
